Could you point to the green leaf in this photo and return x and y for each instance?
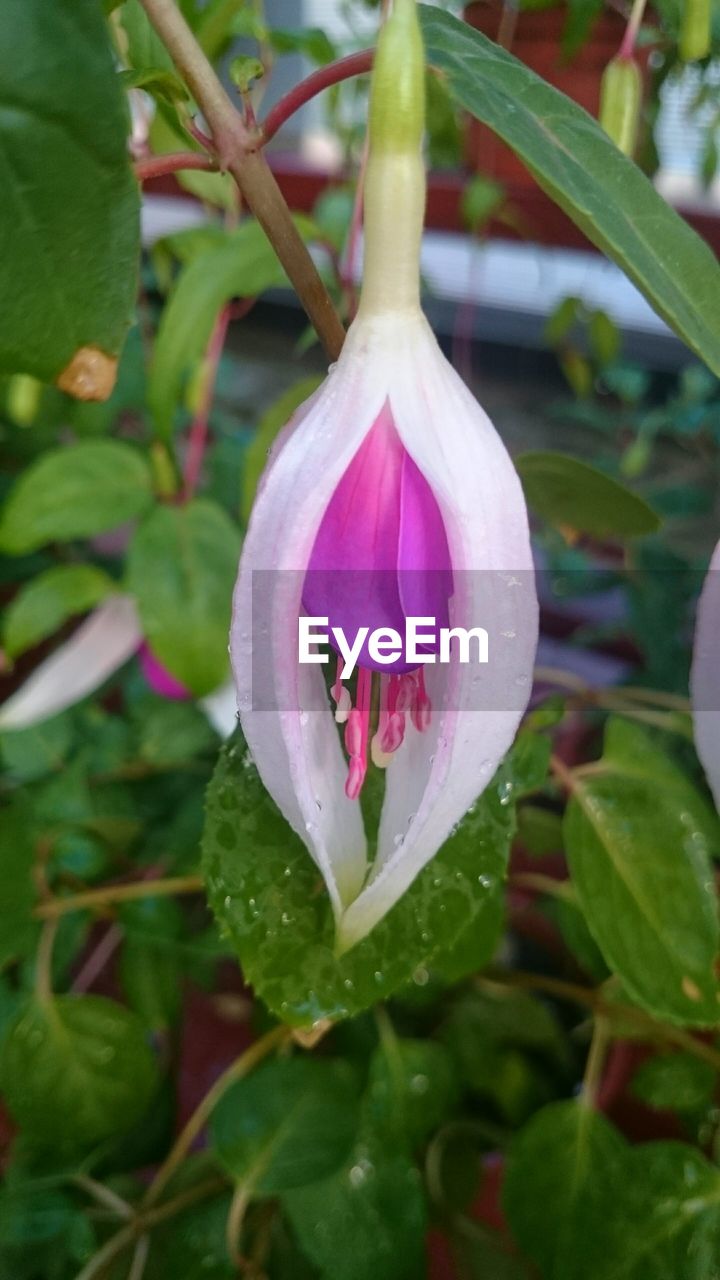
(508, 1048)
(312, 41)
(18, 930)
(292, 1122)
(143, 47)
(639, 842)
(564, 1173)
(268, 898)
(70, 206)
(272, 421)
(675, 1082)
(75, 1070)
(75, 492)
(571, 493)
(44, 603)
(150, 970)
(367, 1222)
(172, 732)
(32, 753)
(159, 81)
(411, 1087)
(666, 1224)
(241, 264)
(39, 1225)
(578, 166)
(182, 567)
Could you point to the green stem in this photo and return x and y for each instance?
(241, 1067)
(108, 895)
(238, 154)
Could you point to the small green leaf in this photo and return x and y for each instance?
(70, 206)
(367, 1222)
(567, 492)
(291, 1123)
(268, 898)
(411, 1087)
(48, 600)
(158, 81)
(579, 167)
(312, 41)
(150, 970)
(272, 421)
(675, 1082)
(563, 1174)
(28, 754)
(75, 492)
(76, 1070)
(143, 47)
(182, 567)
(243, 71)
(640, 842)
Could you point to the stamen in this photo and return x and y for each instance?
(356, 735)
(341, 695)
(421, 711)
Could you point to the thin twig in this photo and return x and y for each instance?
(241, 1067)
(43, 963)
(197, 438)
(108, 895)
(173, 162)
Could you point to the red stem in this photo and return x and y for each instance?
(355, 64)
(197, 439)
(158, 166)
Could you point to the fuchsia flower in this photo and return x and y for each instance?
(389, 496)
(705, 677)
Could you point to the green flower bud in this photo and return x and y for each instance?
(620, 102)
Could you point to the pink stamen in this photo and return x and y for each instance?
(398, 695)
(357, 732)
(422, 707)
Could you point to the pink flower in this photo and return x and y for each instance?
(393, 496)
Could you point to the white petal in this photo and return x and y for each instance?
(284, 707)
(436, 776)
(220, 707)
(100, 646)
(705, 677)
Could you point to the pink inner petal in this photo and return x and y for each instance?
(381, 552)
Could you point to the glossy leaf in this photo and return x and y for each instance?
(45, 602)
(70, 207)
(367, 1222)
(639, 841)
(291, 1123)
(268, 898)
(575, 162)
(75, 492)
(411, 1087)
(675, 1082)
(577, 496)
(563, 1174)
(240, 263)
(181, 569)
(75, 1070)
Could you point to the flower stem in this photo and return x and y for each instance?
(355, 64)
(109, 894)
(595, 1062)
(159, 166)
(199, 428)
(241, 1067)
(627, 48)
(237, 152)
